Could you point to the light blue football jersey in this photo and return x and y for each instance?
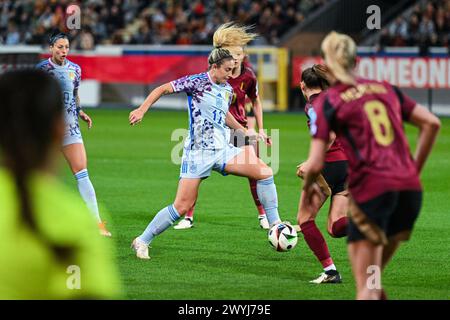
(69, 77)
(208, 105)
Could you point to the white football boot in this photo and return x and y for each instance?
(185, 223)
(141, 249)
(330, 276)
(263, 222)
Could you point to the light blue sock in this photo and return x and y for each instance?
(267, 194)
(163, 220)
(87, 192)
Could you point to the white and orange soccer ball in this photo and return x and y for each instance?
(282, 237)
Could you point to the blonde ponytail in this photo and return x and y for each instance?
(232, 35)
(340, 56)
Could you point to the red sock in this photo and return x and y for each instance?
(383, 295)
(190, 213)
(255, 197)
(339, 228)
(316, 242)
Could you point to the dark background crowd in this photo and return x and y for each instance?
(425, 26)
(148, 22)
(194, 21)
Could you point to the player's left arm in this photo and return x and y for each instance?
(315, 164)
(252, 93)
(423, 119)
(80, 112)
(137, 115)
(315, 161)
(331, 140)
(258, 111)
(231, 122)
(429, 126)
(83, 115)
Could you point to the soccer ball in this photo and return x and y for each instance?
(282, 237)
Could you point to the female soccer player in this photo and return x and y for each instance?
(234, 38)
(69, 76)
(49, 243)
(207, 147)
(384, 180)
(332, 182)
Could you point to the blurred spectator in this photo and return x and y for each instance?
(426, 26)
(114, 20)
(13, 36)
(399, 28)
(85, 40)
(385, 39)
(143, 36)
(117, 38)
(413, 30)
(39, 37)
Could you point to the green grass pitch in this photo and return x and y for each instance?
(227, 255)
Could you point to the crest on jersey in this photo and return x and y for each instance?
(72, 75)
(312, 118)
(227, 96)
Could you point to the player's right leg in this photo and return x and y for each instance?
(337, 216)
(368, 232)
(366, 260)
(238, 139)
(262, 217)
(401, 224)
(315, 240)
(247, 164)
(75, 155)
(186, 196)
(335, 175)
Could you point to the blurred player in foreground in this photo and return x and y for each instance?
(331, 181)
(386, 193)
(69, 76)
(49, 243)
(207, 147)
(234, 38)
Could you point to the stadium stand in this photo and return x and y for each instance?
(148, 22)
(426, 25)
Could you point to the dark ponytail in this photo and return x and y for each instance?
(318, 76)
(32, 108)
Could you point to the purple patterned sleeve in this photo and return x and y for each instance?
(77, 78)
(184, 84)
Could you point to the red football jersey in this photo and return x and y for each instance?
(336, 151)
(368, 119)
(244, 84)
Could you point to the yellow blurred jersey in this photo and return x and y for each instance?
(29, 267)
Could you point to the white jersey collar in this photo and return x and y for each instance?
(57, 65)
